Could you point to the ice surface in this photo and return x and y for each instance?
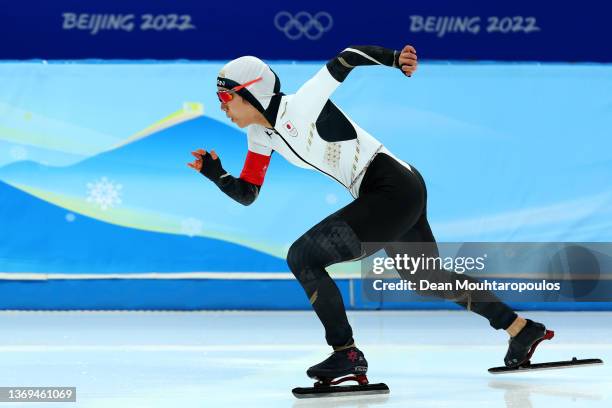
(254, 359)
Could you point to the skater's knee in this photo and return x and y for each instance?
(298, 256)
(293, 257)
(303, 262)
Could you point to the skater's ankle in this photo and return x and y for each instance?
(340, 348)
(517, 325)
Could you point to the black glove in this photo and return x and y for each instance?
(211, 168)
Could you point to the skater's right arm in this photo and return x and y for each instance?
(243, 189)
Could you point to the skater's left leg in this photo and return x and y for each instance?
(525, 334)
(484, 303)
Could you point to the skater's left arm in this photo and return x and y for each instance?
(314, 94)
(359, 55)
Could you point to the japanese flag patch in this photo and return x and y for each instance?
(289, 128)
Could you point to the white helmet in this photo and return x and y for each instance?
(245, 69)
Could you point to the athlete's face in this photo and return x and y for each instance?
(240, 111)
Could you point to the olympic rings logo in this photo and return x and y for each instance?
(303, 24)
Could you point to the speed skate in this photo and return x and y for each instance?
(327, 387)
(551, 365)
(346, 364)
(527, 365)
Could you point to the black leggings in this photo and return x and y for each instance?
(391, 207)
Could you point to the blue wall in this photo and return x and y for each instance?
(510, 30)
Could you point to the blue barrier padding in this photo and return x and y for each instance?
(201, 294)
(147, 294)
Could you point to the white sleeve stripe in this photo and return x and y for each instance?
(346, 64)
(363, 54)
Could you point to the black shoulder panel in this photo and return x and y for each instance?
(333, 126)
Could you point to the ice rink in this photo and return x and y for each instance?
(254, 359)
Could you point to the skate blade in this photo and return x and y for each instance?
(340, 390)
(552, 365)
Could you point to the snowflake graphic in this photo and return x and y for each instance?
(191, 227)
(18, 153)
(104, 193)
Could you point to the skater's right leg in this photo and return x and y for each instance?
(383, 210)
(380, 214)
(329, 242)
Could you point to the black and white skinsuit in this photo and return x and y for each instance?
(390, 202)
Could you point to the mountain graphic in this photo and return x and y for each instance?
(167, 149)
(155, 180)
(43, 238)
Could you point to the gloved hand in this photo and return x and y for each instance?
(207, 164)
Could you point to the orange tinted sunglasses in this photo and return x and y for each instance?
(226, 96)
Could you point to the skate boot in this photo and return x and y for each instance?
(522, 346)
(350, 365)
(350, 361)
